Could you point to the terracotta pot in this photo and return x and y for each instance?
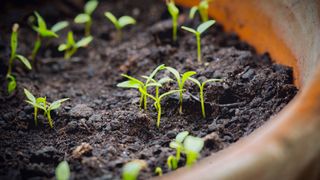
(288, 146)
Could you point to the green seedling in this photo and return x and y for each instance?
(85, 17)
(203, 8)
(41, 103)
(63, 171)
(132, 169)
(140, 85)
(181, 79)
(14, 56)
(158, 171)
(200, 29)
(44, 32)
(172, 162)
(120, 23)
(201, 94)
(192, 147)
(174, 12)
(71, 46)
(157, 101)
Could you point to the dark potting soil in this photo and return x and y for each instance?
(101, 127)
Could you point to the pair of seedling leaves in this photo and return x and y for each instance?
(187, 144)
(203, 8)
(143, 86)
(41, 103)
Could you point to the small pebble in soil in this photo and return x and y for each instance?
(81, 111)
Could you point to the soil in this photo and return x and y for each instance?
(101, 127)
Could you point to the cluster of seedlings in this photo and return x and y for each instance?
(184, 143)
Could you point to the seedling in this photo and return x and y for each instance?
(157, 101)
(41, 103)
(203, 8)
(158, 171)
(172, 162)
(174, 12)
(201, 87)
(63, 171)
(120, 23)
(132, 169)
(181, 79)
(200, 29)
(44, 32)
(141, 86)
(85, 18)
(14, 44)
(192, 147)
(71, 47)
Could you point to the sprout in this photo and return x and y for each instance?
(203, 8)
(172, 162)
(174, 12)
(141, 86)
(192, 147)
(85, 18)
(201, 28)
(71, 47)
(120, 23)
(201, 87)
(157, 103)
(177, 143)
(44, 32)
(41, 103)
(14, 45)
(132, 169)
(63, 171)
(158, 171)
(181, 79)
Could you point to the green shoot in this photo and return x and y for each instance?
(201, 94)
(157, 101)
(132, 169)
(172, 162)
(203, 8)
(41, 103)
(158, 171)
(14, 45)
(192, 147)
(120, 23)
(85, 18)
(63, 171)
(141, 86)
(201, 28)
(44, 32)
(71, 47)
(181, 79)
(174, 12)
(177, 143)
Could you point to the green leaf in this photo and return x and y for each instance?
(195, 81)
(41, 103)
(59, 26)
(11, 84)
(169, 93)
(133, 79)
(164, 80)
(129, 84)
(172, 8)
(193, 144)
(45, 32)
(90, 6)
(29, 95)
(175, 145)
(62, 47)
(126, 20)
(204, 26)
(57, 104)
(82, 18)
(84, 41)
(132, 169)
(193, 11)
(186, 75)
(175, 73)
(70, 39)
(189, 29)
(63, 171)
(211, 80)
(181, 136)
(113, 19)
(154, 72)
(14, 39)
(154, 84)
(25, 61)
(41, 23)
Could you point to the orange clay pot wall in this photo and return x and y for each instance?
(288, 146)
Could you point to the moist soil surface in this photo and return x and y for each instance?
(102, 127)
